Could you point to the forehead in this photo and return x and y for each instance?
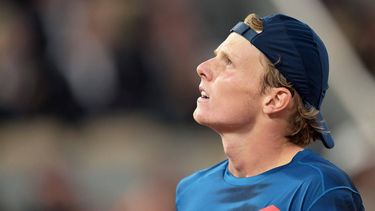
(238, 46)
(243, 54)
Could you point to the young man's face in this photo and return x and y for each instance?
(230, 86)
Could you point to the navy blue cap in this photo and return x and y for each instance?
(300, 56)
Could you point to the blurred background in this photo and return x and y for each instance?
(96, 96)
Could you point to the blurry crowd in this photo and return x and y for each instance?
(71, 58)
(96, 97)
(67, 66)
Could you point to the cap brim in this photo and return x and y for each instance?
(326, 134)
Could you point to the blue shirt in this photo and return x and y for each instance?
(308, 182)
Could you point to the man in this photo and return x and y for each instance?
(262, 94)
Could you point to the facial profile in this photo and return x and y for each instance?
(230, 86)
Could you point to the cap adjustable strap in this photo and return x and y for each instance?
(244, 30)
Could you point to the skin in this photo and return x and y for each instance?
(252, 125)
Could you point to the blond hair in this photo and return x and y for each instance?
(304, 126)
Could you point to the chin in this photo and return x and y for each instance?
(199, 117)
(196, 117)
(203, 119)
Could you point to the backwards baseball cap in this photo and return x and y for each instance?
(300, 56)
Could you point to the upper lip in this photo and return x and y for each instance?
(203, 92)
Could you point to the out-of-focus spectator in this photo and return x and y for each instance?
(172, 41)
(83, 38)
(56, 192)
(30, 83)
(364, 181)
(155, 195)
(357, 21)
(19, 71)
(366, 41)
(74, 58)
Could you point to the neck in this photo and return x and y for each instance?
(253, 153)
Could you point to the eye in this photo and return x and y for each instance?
(227, 61)
(223, 57)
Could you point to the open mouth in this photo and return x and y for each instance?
(204, 95)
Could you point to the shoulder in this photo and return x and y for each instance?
(338, 199)
(203, 174)
(325, 186)
(322, 172)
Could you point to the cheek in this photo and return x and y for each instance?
(237, 88)
(240, 105)
(238, 98)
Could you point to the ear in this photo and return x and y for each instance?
(276, 99)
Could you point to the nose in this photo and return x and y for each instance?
(204, 70)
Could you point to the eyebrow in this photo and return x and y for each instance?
(216, 52)
(225, 54)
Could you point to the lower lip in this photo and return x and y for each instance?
(201, 99)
